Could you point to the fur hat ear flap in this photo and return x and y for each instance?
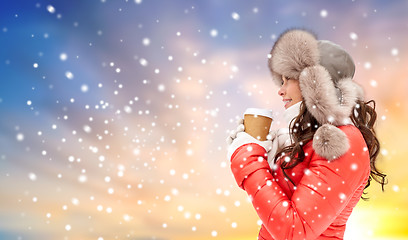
(359, 91)
(319, 93)
(321, 97)
(330, 142)
(349, 94)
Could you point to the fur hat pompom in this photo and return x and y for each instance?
(330, 142)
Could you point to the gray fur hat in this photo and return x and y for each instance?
(325, 71)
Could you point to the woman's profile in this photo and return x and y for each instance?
(305, 180)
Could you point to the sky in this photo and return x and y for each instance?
(115, 112)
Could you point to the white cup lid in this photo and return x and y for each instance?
(259, 112)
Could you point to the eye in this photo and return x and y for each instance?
(284, 79)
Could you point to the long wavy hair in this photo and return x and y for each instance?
(305, 126)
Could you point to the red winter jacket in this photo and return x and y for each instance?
(325, 194)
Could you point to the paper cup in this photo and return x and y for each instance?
(257, 122)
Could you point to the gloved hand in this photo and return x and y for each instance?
(233, 133)
(281, 139)
(238, 137)
(277, 139)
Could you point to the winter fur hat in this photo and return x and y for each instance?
(325, 71)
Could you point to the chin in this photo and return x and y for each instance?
(288, 105)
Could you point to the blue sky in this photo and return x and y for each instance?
(152, 87)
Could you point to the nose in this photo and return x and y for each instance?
(281, 91)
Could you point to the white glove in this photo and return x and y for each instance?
(240, 128)
(233, 133)
(238, 137)
(281, 139)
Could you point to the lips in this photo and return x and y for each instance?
(286, 102)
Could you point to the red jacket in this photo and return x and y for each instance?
(325, 194)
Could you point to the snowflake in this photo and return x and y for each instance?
(50, 9)
(353, 36)
(323, 13)
(235, 16)
(63, 56)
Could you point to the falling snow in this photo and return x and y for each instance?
(120, 121)
(50, 9)
(235, 16)
(20, 137)
(69, 75)
(367, 65)
(84, 88)
(146, 41)
(353, 36)
(214, 32)
(161, 88)
(32, 176)
(373, 83)
(63, 56)
(143, 62)
(323, 13)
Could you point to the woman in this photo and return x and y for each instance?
(313, 181)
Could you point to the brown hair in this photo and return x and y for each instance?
(305, 126)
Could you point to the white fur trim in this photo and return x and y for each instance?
(291, 112)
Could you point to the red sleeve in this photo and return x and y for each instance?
(321, 195)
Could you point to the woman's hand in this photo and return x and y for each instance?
(239, 137)
(233, 133)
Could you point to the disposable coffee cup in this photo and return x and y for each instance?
(257, 122)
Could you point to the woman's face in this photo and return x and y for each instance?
(290, 91)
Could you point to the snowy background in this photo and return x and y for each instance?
(114, 113)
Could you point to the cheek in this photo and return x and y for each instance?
(295, 91)
(299, 93)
